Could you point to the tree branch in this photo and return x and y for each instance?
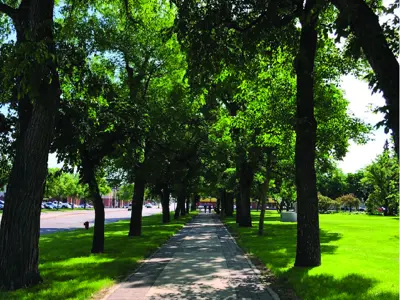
(8, 10)
(234, 25)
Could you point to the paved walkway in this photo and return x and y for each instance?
(201, 261)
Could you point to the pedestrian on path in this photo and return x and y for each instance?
(205, 208)
(209, 209)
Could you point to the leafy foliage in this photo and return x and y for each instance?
(349, 201)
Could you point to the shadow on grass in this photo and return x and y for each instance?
(350, 287)
(279, 240)
(277, 250)
(69, 271)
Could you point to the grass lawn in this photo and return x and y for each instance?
(360, 255)
(69, 270)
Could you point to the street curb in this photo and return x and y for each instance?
(255, 270)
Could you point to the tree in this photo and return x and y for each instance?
(383, 176)
(332, 183)
(125, 192)
(364, 23)
(349, 201)
(5, 168)
(35, 92)
(357, 186)
(325, 203)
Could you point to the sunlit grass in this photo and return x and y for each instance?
(360, 256)
(69, 270)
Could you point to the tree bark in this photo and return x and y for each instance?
(237, 196)
(365, 25)
(246, 180)
(193, 202)
(182, 204)
(165, 205)
(308, 243)
(135, 226)
(20, 224)
(222, 209)
(89, 176)
(187, 204)
(99, 215)
(229, 205)
(264, 195)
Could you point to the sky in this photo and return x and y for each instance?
(361, 101)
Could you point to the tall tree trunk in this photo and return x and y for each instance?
(246, 180)
(222, 210)
(181, 199)
(264, 195)
(237, 197)
(177, 211)
(89, 176)
(135, 227)
(386, 206)
(193, 202)
(229, 204)
(365, 24)
(187, 204)
(99, 216)
(20, 224)
(180, 206)
(165, 205)
(308, 244)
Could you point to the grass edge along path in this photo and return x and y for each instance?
(69, 271)
(359, 256)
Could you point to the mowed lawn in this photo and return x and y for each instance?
(360, 255)
(69, 270)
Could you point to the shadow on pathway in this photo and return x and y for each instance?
(202, 261)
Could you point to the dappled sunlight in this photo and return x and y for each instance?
(69, 270)
(201, 262)
(359, 256)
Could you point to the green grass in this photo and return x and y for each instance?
(360, 255)
(69, 270)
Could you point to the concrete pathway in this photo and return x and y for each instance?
(201, 261)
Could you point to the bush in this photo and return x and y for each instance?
(325, 203)
(349, 201)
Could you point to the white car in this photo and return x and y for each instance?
(148, 205)
(65, 205)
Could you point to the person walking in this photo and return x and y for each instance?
(209, 209)
(205, 208)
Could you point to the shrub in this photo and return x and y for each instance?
(325, 203)
(349, 201)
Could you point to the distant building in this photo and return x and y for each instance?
(208, 201)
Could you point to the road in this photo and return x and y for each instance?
(68, 220)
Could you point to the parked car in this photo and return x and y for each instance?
(148, 205)
(49, 205)
(130, 207)
(1, 206)
(65, 205)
